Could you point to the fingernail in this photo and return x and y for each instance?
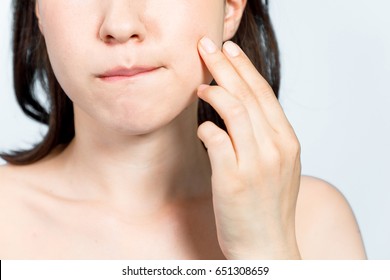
(231, 49)
(208, 45)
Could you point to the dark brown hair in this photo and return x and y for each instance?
(31, 65)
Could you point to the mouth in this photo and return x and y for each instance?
(122, 73)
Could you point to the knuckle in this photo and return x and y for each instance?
(243, 92)
(293, 147)
(273, 156)
(237, 110)
(218, 63)
(269, 95)
(217, 138)
(266, 91)
(297, 146)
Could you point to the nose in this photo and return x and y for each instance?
(122, 22)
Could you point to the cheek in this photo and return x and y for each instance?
(185, 37)
(67, 43)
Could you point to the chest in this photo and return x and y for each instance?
(77, 233)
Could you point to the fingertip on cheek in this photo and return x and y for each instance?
(207, 45)
(231, 49)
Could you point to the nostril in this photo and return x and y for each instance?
(116, 29)
(108, 39)
(120, 38)
(135, 36)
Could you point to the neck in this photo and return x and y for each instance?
(144, 172)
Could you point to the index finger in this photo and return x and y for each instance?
(220, 68)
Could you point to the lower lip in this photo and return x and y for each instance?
(131, 77)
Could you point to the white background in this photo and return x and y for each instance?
(335, 91)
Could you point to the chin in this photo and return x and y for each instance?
(145, 112)
(137, 123)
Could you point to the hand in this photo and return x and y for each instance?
(256, 166)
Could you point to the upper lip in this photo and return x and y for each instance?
(127, 72)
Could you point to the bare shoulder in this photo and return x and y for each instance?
(15, 214)
(12, 179)
(326, 225)
(8, 212)
(9, 179)
(21, 185)
(12, 187)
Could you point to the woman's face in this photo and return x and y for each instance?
(130, 65)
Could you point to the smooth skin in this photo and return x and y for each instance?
(136, 182)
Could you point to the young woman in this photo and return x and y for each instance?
(126, 172)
